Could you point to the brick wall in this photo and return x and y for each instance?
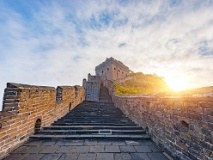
(92, 91)
(23, 105)
(183, 127)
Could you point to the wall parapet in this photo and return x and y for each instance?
(183, 127)
(24, 105)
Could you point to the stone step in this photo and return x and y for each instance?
(71, 132)
(89, 136)
(96, 108)
(96, 121)
(96, 118)
(111, 111)
(93, 108)
(93, 120)
(127, 122)
(93, 116)
(90, 127)
(84, 123)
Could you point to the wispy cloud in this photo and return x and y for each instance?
(55, 43)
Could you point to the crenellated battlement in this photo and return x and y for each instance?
(24, 106)
(112, 69)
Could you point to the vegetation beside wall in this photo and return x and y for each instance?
(141, 84)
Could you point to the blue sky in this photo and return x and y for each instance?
(52, 43)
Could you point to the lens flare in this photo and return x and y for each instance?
(177, 83)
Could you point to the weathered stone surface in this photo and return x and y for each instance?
(128, 149)
(142, 149)
(85, 152)
(69, 157)
(64, 149)
(79, 149)
(178, 125)
(96, 149)
(33, 157)
(90, 142)
(29, 105)
(112, 149)
(51, 157)
(49, 149)
(123, 156)
(16, 157)
(87, 156)
(141, 156)
(105, 156)
(132, 143)
(158, 156)
(48, 143)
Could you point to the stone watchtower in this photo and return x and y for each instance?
(111, 69)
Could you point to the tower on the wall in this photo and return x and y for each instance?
(110, 69)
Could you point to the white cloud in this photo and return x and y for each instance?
(61, 43)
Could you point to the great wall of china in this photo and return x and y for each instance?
(182, 127)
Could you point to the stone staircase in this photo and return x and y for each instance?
(93, 120)
(104, 95)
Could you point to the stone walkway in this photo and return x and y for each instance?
(113, 136)
(87, 150)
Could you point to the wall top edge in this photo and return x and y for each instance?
(111, 60)
(27, 86)
(210, 99)
(66, 87)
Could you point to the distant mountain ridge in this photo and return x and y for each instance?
(202, 90)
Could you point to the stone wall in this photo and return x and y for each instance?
(112, 69)
(183, 127)
(92, 87)
(92, 91)
(24, 105)
(92, 78)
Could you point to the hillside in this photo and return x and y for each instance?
(197, 91)
(141, 84)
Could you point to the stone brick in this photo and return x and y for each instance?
(33, 157)
(49, 149)
(87, 156)
(96, 149)
(51, 157)
(142, 149)
(32, 103)
(112, 149)
(206, 132)
(16, 157)
(127, 149)
(79, 149)
(158, 156)
(123, 156)
(64, 149)
(69, 157)
(141, 156)
(178, 125)
(105, 156)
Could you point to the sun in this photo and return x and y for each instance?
(177, 83)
